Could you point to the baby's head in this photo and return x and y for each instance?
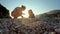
(30, 11)
(23, 8)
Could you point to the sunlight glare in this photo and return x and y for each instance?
(25, 13)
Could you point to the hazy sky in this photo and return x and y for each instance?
(38, 6)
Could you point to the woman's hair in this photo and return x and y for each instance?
(23, 7)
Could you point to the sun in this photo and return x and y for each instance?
(25, 13)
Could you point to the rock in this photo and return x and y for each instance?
(24, 26)
(4, 13)
(57, 30)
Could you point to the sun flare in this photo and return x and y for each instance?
(25, 13)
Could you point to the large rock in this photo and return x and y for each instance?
(4, 13)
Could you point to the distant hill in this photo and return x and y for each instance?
(50, 14)
(53, 12)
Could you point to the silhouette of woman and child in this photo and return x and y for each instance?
(18, 12)
(4, 13)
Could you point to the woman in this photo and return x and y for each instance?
(18, 11)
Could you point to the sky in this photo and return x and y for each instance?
(37, 6)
